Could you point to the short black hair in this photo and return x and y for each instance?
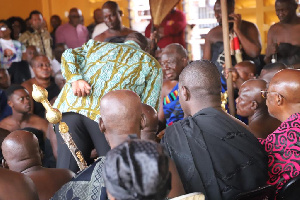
(9, 91)
(138, 38)
(230, 3)
(111, 4)
(34, 12)
(201, 77)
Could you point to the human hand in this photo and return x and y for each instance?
(81, 88)
(233, 71)
(237, 22)
(272, 49)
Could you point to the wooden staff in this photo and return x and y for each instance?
(228, 63)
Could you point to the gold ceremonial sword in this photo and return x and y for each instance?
(54, 116)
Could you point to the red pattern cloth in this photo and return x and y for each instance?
(283, 148)
(174, 28)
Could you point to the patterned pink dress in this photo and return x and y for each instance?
(283, 148)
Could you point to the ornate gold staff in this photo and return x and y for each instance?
(54, 116)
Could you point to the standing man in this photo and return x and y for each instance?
(283, 37)
(171, 30)
(244, 33)
(40, 37)
(73, 33)
(89, 76)
(112, 17)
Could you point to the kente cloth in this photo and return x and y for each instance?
(106, 67)
(87, 185)
(137, 170)
(72, 36)
(288, 54)
(174, 26)
(283, 148)
(42, 41)
(172, 108)
(14, 46)
(215, 155)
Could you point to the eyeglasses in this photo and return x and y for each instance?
(264, 94)
(171, 64)
(3, 28)
(40, 65)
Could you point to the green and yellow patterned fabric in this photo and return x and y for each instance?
(106, 67)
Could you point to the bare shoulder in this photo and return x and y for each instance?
(101, 37)
(246, 25)
(214, 35)
(8, 123)
(167, 87)
(28, 84)
(127, 30)
(65, 174)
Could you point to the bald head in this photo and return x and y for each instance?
(283, 97)
(246, 69)
(175, 48)
(121, 112)
(21, 148)
(151, 127)
(287, 83)
(250, 98)
(270, 70)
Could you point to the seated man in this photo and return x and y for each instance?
(283, 145)
(128, 175)
(127, 113)
(173, 60)
(270, 70)
(22, 153)
(151, 125)
(19, 101)
(22, 71)
(214, 153)
(42, 69)
(116, 32)
(251, 104)
(245, 34)
(283, 37)
(89, 76)
(15, 185)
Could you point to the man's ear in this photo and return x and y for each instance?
(251, 76)
(101, 125)
(254, 105)
(185, 61)
(4, 164)
(41, 154)
(143, 121)
(279, 99)
(121, 13)
(10, 103)
(185, 93)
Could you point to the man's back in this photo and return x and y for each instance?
(48, 181)
(216, 155)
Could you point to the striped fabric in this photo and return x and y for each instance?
(106, 67)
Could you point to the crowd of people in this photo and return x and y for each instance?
(148, 122)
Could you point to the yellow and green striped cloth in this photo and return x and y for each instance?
(106, 67)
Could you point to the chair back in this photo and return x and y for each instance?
(291, 190)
